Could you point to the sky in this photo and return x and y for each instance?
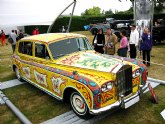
(82, 5)
(32, 11)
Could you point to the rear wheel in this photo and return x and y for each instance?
(79, 105)
(18, 74)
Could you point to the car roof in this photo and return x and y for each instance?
(51, 37)
(122, 21)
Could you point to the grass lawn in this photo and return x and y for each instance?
(39, 107)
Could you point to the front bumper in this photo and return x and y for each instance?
(123, 103)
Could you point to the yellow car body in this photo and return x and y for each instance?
(100, 80)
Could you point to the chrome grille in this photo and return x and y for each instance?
(124, 80)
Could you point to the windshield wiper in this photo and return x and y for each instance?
(60, 55)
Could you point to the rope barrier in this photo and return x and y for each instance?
(152, 62)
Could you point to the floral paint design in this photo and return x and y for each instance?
(90, 61)
(57, 84)
(26, 71)
(40, 78)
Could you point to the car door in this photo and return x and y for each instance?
(41, 61)
(25, 56)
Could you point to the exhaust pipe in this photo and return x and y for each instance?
(15, 110)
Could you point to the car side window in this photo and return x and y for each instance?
(82, 44)
(41, 51)
(25, 48)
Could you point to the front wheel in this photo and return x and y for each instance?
(79, 105)
(18, 74)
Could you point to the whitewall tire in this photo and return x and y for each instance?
(79, 105)
(18, 75)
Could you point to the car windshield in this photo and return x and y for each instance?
(67, 46)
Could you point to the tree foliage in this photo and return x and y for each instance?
(109, 12)
(95, 11)
(129, 11)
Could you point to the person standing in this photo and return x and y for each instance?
(134, 40)
(122, 51)
(99, 41)
(146, 46)
(3, 38)
(111, 41)
(14, 37)
(20, 35)
(35, 31)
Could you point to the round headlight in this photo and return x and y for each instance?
(109, 86)
(106, 87)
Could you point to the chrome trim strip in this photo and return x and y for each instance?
(43, 89)
(114, 105)
(98, 111)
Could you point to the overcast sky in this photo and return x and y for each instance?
(48, 6)
(14, 12)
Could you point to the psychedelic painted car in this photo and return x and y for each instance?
(65, 66)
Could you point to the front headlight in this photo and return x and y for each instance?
(106, 87)
(136, 73)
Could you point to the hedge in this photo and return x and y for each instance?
(78, 22)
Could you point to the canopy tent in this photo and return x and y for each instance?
(29, 12)
(43, 12)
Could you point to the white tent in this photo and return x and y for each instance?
(30, 12)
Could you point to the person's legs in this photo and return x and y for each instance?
(3, 42)
(101, 50)
(148, 57)
(144, 56)
(13, 47)
(132, 51)
(134, 56)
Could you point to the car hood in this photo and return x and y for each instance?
(93, 61)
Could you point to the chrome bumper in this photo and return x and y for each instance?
(123, 103)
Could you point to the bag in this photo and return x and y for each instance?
(95, 41)
(122, 52)
(10, 40)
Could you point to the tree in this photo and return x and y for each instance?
(109, 12)
(130, 11)
(92, 11)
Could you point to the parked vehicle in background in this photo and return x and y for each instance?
(115, 25)
(95, 27)
(158, 34)
(119, 25)
(65, 66)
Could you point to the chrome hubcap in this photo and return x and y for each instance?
(78, 103)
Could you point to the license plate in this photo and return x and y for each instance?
(131, 102)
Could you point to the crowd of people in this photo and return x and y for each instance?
(106, 44)
(14, 36)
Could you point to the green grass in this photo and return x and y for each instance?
(35, 104)
(39, 107)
